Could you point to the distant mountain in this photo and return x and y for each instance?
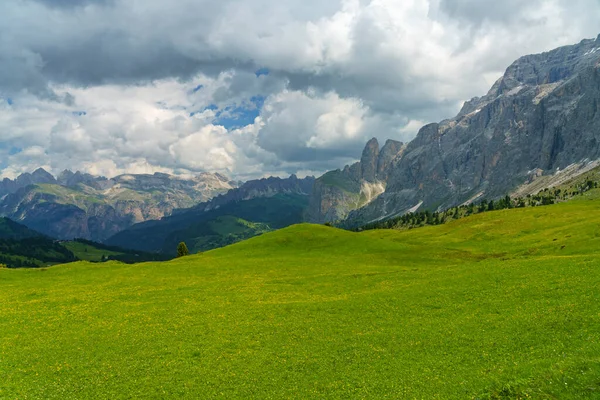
(78, 205)
(257, 206)
(40, 175)
(541, 117)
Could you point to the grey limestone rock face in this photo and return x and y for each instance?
(338, 192)
(368, 161)
(388, 153)
(543, 114)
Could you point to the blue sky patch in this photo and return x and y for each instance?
(14, 150)
(194, 90)
(79, 113)
(212, 107)
(5, 149)
(262, 71)
(234, 116)
(10, 101)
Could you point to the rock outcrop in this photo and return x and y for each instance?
(338, 192)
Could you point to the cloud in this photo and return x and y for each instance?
(250, 87)
(72, 3)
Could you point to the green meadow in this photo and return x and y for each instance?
(88, 252)
(500, 305)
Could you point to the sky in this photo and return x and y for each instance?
(250, 88)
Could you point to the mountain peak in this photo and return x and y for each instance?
(42, 174)
(368, 161)
(40, 170)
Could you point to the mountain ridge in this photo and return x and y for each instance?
(79, 205)
(541, 116)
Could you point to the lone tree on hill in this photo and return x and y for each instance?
(182, 250)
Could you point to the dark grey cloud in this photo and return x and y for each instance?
(479, 12)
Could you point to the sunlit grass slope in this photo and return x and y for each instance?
(499, 305)
(88, 252)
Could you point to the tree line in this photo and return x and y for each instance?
(424, 218)
(33, 252)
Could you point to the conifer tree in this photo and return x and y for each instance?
(182, 250)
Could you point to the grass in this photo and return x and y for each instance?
(226, 225)
(88, 252)
(500, 305)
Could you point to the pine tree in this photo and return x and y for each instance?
(182, 250)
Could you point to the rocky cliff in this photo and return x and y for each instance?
(77, 205)
(338, 192)
(540, 117)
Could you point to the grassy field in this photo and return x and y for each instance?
(499, 305)
(88, 252)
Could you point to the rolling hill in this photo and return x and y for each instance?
(499, 305)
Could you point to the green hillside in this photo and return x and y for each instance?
(33, 252)
(89, 251)
(204, 230)
(10, 229)
(86, 250)
(218, 232)
(499, 305)
(21, 247)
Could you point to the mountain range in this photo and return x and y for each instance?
(78, 205)
(540, 118)
(257, 206)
